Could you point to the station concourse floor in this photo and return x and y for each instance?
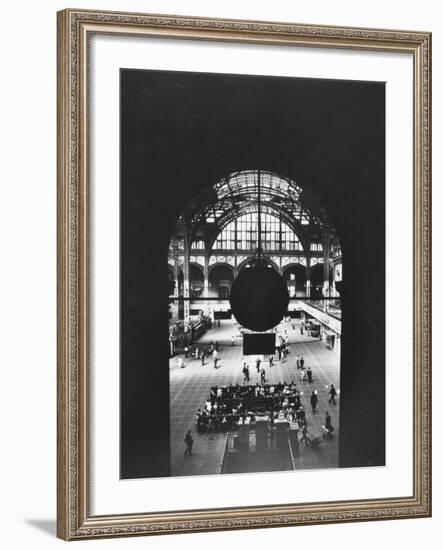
(190, 387)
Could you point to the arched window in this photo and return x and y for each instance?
(242, 234)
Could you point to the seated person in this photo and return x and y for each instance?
(301, 415)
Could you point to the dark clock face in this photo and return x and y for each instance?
(259, 297)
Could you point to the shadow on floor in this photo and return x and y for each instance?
(48, 526)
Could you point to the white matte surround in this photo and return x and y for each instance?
(109, 494)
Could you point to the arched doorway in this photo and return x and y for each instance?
(196, 281)
(295, 277)
(220, 281)
(317, 281)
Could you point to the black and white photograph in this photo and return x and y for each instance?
(218, 223)
(252, 273)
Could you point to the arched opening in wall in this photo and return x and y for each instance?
(221, 277)
(295, 277)
(243, 245)
(196, 281)
(295, 153)
(317, 281)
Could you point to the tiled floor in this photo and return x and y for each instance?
(190, 386)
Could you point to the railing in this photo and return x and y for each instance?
(225, 455)
(332, 306)
(320, 312)
(291, 454)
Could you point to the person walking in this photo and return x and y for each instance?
(302, 362)
(271, 361)
(263, 376)
(328, 425)
(245, 372)
(203, 356)
(189, 442)
(309, 373)
(314, 401)
(257, 364)
(215, 357)
(332, 392)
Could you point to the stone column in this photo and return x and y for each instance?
(308, 273)
(176, 267)
(332, 292)
(186, 285)
(206, 281)
(174, 304)
(326, 247)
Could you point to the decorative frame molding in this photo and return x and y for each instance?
(75, 27)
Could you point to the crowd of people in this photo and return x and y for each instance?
(228, 407)
(203, 353)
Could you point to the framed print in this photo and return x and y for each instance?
(243, 274)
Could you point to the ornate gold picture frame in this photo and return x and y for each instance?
(76, 517)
